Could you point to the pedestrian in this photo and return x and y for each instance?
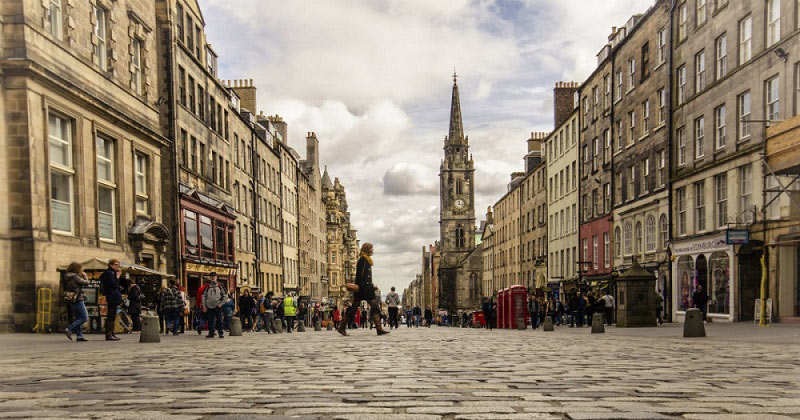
(269, 313)
(337, 317)
(199, 316)
(110, 287)
(160, 311)
(608, 307)
(428, 317)
(392, 300)
(417, 316)
(261, 302)
(533, 311)
(246, 306)
(366, 290)
(289, 311)
(357, 321)
(591, 306)
(135, 305)
(464, 320)
(227, 312)
(214, 297)
(364, 317)
(700, 299)
(302, 312)
(172, 306)
(659, 307)
(74, 282)
(278, 308)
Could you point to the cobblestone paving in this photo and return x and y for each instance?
(738, 372)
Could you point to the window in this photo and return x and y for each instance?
(745, 39)
(607, 146)
(607, 96)
(721, 184)
(645, 117)
(101, 37)
(719, 126)
(596, 102)
(722, 56)
(745, 188)
(701, 12)
(61, 172)
(700, 205)
(682, 19)
(662, 106)
(681, 135)
(662, 46)
(140, 173)
(198, 35)
(606, 251)
(192, 105)
(184, 148)
(179, 20)
(207, 238)
(628, 238)
(106, 187)
(681, 204)
(459, 237)
(585, 251)
(645, 175)
(631, 72)
(136, 66)
(606, 197)
(595, 152)
(664, 231)
(56, 20)
(595, 254)
(619, 135)
(618, 186)
(773, 99)
(191, 244)
(632, 127)
(201, 103)
(638, 238)
(650, 234)
(681, 84)
(202, 159)
(744, 115)
(194, 154)
(631, 182)
(182, 85)
(617, 241)
(662, 168)
(700, 70)
(773, 22)
(699, 137)
(619, 85)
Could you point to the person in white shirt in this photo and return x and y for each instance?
(392, 301)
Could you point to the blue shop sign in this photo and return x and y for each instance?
(737, 236)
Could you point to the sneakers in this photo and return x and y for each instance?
(221, 336)
(68, 333)
(210, 336)
(81, 339)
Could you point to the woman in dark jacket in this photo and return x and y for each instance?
(366, 291)
(135, 307)
(75, 282)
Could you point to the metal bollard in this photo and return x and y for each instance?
(236, 327)
(149, 332)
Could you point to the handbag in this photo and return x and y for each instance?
(352, 287)
(71, 297)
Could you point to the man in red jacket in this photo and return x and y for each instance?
(198, 306)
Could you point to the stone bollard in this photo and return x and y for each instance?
(317, 325)
(597, 324)
(236, 327)
(693, 324)
(278, 325)
(521, 325)
(301, 327)
(548, 324)
(330, 326)
(149, 330)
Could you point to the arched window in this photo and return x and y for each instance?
(459, 237)
(628, 238)
(650, 234)
(664, 231)
(638, 238)
(617, 241)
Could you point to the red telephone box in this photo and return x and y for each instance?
(517, 297)
(501, 308)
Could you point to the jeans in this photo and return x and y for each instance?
(247, 319)
(608, 315)
(289, 323)
(80, 315)
(173, 319)
(226, 323)
(534, 321)
(393, 317)
(214, 321)
(269, 324)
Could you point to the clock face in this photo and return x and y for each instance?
(459, 204)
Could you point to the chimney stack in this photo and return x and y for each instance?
(247, 94)
(563, 101)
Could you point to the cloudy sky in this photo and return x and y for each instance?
(373, 79)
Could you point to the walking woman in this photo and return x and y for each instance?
(73, 288)
(366, 291)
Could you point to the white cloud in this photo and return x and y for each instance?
(372, 79)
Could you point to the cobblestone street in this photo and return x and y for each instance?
(738, 372)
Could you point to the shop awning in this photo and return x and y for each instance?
(97, 264)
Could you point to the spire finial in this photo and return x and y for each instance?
(455, 75)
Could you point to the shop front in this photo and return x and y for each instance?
(708, 261)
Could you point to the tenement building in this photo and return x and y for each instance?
(506, 246)
(641, 209)
(313, 228)
(533, 215)
(488, 235)
(82, 145)
(561, 148)
(460, 266)
(341, 240)
(732, 80)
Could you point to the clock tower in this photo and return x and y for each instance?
(457, 204)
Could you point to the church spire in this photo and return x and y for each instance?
(456, 126)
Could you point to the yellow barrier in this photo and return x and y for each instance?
(44, 301)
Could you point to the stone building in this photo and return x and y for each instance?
(488, 235)
(82, 143)
(561, 148)
(289, 175)
(341, 240)
(533, 217)
(313, 226)
(732, 78)
(506, 246)
(460, 267)
(640, 146)
(194, 111)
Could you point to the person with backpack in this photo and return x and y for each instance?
(135, 306)
(392, 302)
(214, 297)
(269, 312)
(172, 306)
(261, 311)
(289, 311)
(227, 312)
(75, 281)
(246, 306)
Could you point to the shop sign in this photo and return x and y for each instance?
(737, 236)
(202, 268)
(708, 244)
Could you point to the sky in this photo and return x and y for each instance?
(373, 80)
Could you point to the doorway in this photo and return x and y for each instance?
(749, 282)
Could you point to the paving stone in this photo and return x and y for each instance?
(618, 416)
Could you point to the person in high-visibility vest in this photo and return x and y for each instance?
(289, 311)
